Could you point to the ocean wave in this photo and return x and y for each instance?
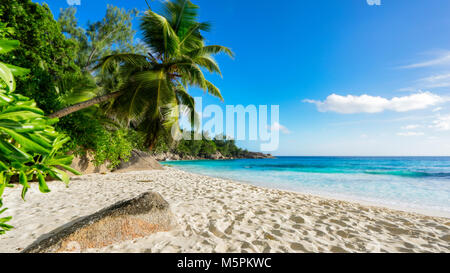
(409, 173)
(304, 168)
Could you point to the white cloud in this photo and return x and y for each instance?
(278, 127)
(435, 81)
(443, 58)
(411, 127)
(74, 2)
(408, 134)
(369, 104)
(437, 109)
(442, 123)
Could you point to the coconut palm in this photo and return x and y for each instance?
(156, 84)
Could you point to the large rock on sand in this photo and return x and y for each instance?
(126, 220)
(85, 165)
(139, 161)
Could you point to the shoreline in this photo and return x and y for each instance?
(223, 215)
(321, 194)
(337, 197)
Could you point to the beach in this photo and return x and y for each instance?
(220, 215)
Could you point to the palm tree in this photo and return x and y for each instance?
(155, 85)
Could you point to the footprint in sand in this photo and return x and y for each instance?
(297, 219)
(298, 247)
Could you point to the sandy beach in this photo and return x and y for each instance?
(218, 215)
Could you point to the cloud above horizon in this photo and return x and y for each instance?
(409, 134)
(442, 123)
(370, 104)
(278, 127)
(443, 58)
(411, 127)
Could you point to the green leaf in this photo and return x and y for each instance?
(24, 182)
(2, 187)
(28, 144)
(42, 184)
(6, 219)
(8, 45)
(18, 71)
(13, 152)
(20, 115)
(24, 192)
(70, 169)
(61, 175)
(7, 76)
(18, 108)
(5, 226)
(3, 167)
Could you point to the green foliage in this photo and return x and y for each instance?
(208, 148)
(29, 145)
(59, 66)
(43, 49)
(115, 147)
(113, 34)
(155, 84)
(105, 140)
(204, 148)
(90, 129)
(3, 226)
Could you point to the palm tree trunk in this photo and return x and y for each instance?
(85, 104)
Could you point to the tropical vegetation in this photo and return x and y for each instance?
(98, 89)
(154, 84)
(206, 148)
(29, 144)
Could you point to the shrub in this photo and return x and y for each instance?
(115, 147)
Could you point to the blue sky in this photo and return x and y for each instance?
(350, 78)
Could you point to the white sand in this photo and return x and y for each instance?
(217, 215)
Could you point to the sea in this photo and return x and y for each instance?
(414, 184)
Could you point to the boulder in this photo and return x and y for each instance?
(217, 156)
(85, 165)
(126, 220)
(139, 161)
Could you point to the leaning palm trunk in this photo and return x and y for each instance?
(85, 104)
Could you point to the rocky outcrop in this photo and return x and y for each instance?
(255, 155)
(85, 165)
(168, 156)
(126, 220)
(139, 161)
(217, 156)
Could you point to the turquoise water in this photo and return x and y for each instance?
(419, 184)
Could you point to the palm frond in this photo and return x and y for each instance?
(208, 63)
(184, 99)
(192, 38)
(159, 35)
(213, 90)
(109, 63)
(181, 14)
(140, 96)
(211, 50)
